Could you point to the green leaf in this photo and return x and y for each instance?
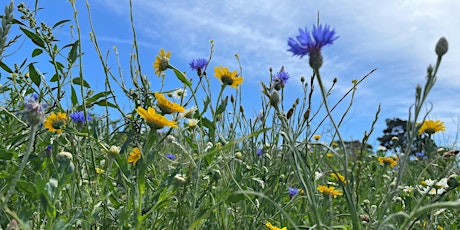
(106, 103)
(73, 96)
(223, 105)
(37, 52)
(34, 76)
(6, 155)
(5, 67)
(49, 207)
(77, 81)
(60, 23)
(34, 37)
(97, 97)
(181, 76)
(73, 53)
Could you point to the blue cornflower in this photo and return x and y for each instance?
(198, 64)
(260, 152)
(312, 44)
(171, 156)
(79, 117)
(292, 191)
(420, 155)
(280, 79)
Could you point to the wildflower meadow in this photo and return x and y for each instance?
(192, 157)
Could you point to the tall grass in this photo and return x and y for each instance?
(70, 153)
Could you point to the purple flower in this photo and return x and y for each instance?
(198, 64)
(420, 155)
(280, 79)
(292, 191)
(171, 156)
(260, 152)
(304, 43)
(34, 111)
(79, 117)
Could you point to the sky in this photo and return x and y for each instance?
(397, 37)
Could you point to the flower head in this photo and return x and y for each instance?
(316, 137)
(304, 43)
(154, 120)
(167, 106)
(64, 157)
(339, 177)
(391, 161)
(34, 111)
(227, 77)
(114, 150)
(55, 122)
(79, 117)
(292, 191)
(271, 227)
(188, 113)
(329, 191)
(259, 152)
(280, 79)
(161, 62)
(134, 156)
(171, 156)
(430, 127)
(192, 122)
(179, 94)
(198, 65)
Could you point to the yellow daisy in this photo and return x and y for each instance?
(55, 122)
(339, 177)
(154, 120)
(227, 77)
(329, 190)
(167, 106)
(271, 227)
(430, 127)
(316, 137)
(391, 161)
(161, 62)
(134, 156)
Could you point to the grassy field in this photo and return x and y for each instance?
(189, 157)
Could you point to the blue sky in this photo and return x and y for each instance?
(397, 37)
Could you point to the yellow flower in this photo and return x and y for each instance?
(227, 77)
(55, 122)
(339, 177)
(99, 171)
(430, 127)
(134, 156)
(392, 161)
(316, 137)
(154, 120)
(161, 62)
(271, 227)
(329, 154)
(329, 190)
(167, 106)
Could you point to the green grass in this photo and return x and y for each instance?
(230, 171)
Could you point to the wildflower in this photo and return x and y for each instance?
(433, 187)
(198, 65)
(382, 149)
(259, 152)
(161, 62)
(192, 122)
(79, 117)
(55, 122)
(171, 156)
(329, 191)
(407, 189)
(166, 106)
(339, 177)
(391, 161)
(304, 44)
(179, 94)
(292, 191)
(329, 154)
(134, 156)
(34, 110)
(49, 150)
(188, 113)
(227, 77)
(64, 157)
(239, 155)
(420, 156)
(99, 170)
(180, 178)
(154, 120)
(114, 150)
(280, 79)
(430, 127)
(316, 137)
(271, 227)
(318, 175)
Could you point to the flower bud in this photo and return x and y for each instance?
(114, 150)
(64, 157)
(316, 60)
(441, 47)
(239, 155)
(274, 98)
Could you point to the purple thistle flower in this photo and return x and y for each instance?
(292, 191)
(260, 152)
(79, 117)
(171, 156)
(304, 43)
(198, 64)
